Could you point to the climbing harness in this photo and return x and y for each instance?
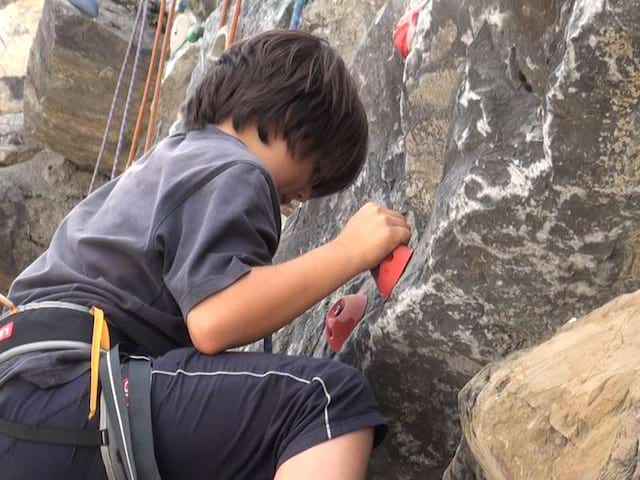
(124, 430)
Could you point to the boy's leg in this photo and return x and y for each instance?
(249, 415)
(64, 406)
(343, 458)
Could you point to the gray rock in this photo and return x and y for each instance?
(511, 147)
(14, 148)
(34, 198)
(72, 73)
(343, 22)
(174, 85)
(11, 93)
(18, 25)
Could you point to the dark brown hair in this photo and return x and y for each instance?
(291, 85)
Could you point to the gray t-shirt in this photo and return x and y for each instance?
(186, 221)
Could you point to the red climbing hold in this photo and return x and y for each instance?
(342, 318)
(405, 29)
(391, 269)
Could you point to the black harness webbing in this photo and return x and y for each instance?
(56, 436)
(140, 415)
(121, 451)
(129, 451)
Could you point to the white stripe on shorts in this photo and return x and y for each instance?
(259, 375)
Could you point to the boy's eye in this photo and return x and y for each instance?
(263, 134)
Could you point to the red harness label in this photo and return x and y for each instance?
(6, 331)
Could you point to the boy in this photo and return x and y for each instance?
(177, 252)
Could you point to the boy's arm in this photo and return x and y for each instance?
(270, 297)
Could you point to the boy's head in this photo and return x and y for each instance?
(290, 87)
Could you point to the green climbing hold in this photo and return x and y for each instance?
(195, 33)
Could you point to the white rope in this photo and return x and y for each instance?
(113, 102)
(134, 70)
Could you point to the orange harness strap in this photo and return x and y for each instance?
(100, 340)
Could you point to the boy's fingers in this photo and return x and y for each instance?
(403, 234)
(393, 213)
(396, 222)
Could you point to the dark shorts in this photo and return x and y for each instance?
(230, 416)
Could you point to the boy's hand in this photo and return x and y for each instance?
(279, 293)
(372, 234)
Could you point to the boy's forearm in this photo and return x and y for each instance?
(268, 298)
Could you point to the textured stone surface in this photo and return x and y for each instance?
(506, 136)
(72, 75)
(14, 148)
(566, 409)
(343, 22)
(18, 25)
(34, 197)
(174, 85)
(509, 137)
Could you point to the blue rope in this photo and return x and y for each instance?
(296, 17)
(268, 344)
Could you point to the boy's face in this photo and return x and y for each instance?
(293, 177)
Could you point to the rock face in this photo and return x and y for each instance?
(565, 409)
(74, 65)
(34, 198)
(506, 137)
(18, 24)
(14, 148)
(343, 22)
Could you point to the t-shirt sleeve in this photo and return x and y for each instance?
(217, 234)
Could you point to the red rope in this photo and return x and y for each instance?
(156, 92)
(225, 12)
(234, 23)
(147, 85)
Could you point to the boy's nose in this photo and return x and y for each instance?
(303, 195)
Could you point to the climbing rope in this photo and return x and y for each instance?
(231, 38)
(132, 81)
(156, 92)
(147, 85)
(296, 16)
(115, 98)
(224, 13)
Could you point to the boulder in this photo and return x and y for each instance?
(18, 25)
(507, 138)
(567, 408)
(14, 148)
(34, 198)
(174, 85)
(72, 73)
